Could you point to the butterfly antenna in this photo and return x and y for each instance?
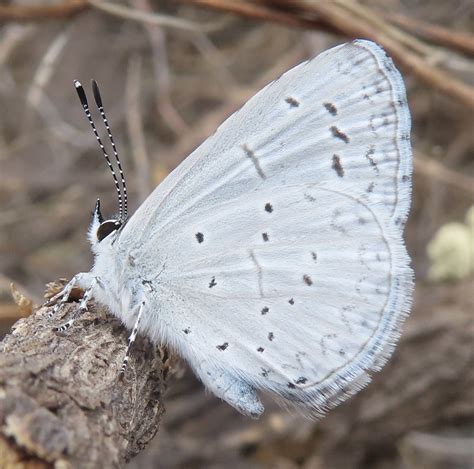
(82, 96)
(100, 106)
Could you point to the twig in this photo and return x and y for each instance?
(13, 35)
(257, 12)
(432, 32)
(339, 16)
(367, 16)
(44, 12)
(135, 126)
(45, 69)
(343, 20)
(37, 99)
(438, 172)
(147, 17)
(163, 101)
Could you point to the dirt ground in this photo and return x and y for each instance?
(166, 90)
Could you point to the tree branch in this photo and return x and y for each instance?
(60, 396)
(42, 12)
(352, 19)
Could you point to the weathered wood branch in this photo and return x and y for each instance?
(61, 398)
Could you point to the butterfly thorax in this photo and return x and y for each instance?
(115, 287)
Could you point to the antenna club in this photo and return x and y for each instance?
(81, 93)
(97, 97)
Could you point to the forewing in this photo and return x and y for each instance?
(339, 119)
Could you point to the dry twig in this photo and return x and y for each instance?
(135, 126)
(436, 171)
(434, 33)
(159, 56)
(144, 16)
(354, 20)
(46, 69)
(346, 17)
(33, 12)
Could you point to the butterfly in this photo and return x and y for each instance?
(272, 258)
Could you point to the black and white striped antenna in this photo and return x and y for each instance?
(122, 201)
(100, 106)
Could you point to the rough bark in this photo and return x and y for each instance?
(62, 403)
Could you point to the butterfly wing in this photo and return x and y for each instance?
(278, 252)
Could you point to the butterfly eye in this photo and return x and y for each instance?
(106, 228)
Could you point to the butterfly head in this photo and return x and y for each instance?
(102, 231)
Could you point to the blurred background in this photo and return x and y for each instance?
(170, 73)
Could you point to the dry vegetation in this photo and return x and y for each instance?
(170, 72)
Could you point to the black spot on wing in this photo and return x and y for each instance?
(199, 237)
(292, 102)
(213, 282)
(260, 349)
(265, 310)
(301, 380)
(291, 301)
(271, 336)
(265, 237)
(291, 385)
(223, 346)
(337, 166)
(314, 256)
(307, 280)
(268, 207)
(331, 108)
(338, 134)
(187, 330)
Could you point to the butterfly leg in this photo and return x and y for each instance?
(82, 280)
(234, 391)
(82, 306)
(131, 340)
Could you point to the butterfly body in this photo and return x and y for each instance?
(272, 258)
